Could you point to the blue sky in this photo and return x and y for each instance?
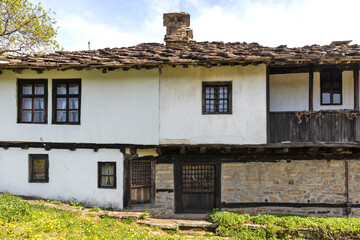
(118, 23)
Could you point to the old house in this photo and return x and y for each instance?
(187, 126)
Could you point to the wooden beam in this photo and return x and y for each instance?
(356, 86)
(311, 88)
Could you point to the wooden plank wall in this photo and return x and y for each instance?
(331, 127)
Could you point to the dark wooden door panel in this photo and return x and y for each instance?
(198, 187)
(141, 182)
(200, 202)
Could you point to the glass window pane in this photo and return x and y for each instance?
(39, 169)
(39, 89)
(26, 116)
(326, 98)
(74, 103)
(107, 170)
(61, 88)
(337, 98)
(107, 181)
(74, 116)
(61, 103)
(27, 103)
(61, 116)
(39, 103)
(38, 116)
(27, 89)
(74, 88)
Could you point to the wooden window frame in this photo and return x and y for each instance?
(330, 72)
(228, 84)
(67, 96)
(100, 165)
(32, 157)
(20, 96)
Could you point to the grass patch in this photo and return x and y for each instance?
(20, 220)
(276, 226)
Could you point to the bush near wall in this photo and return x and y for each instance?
(272, 226)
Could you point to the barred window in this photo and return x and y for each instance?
(217, 97)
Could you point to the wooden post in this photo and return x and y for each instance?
(356, 86)
(267, 104)
(356, 100)
(311, 88)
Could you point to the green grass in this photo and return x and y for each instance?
(20, 220)
(277, 226)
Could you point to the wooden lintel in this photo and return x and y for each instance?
(133, 150)
(202, 149)
(38, 70)
(158, 151)
(18, 70)
(182, 150)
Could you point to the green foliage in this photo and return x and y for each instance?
(45, 222)
(275, 226)
(95, 209)
(12, 208)
(26, 28)
(146, 214)
(130, 220)
(75, 203)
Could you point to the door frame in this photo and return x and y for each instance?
(194, 160)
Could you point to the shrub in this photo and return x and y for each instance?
(13, 208)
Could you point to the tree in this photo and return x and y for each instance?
(26, 28)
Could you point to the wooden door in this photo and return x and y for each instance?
(198, 188)
(141, 182)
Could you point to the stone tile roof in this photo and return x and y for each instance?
(148, 54)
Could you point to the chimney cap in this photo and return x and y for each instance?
(167, 18)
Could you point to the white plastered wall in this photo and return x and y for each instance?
(72, 174)
(290, 92)
(116, 107)
(181, 118)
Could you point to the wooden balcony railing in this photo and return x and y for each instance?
(323, 126)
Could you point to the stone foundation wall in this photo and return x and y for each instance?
(301, 181)
(318, 212)
(164, 181)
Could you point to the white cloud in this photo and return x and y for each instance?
(75, 33)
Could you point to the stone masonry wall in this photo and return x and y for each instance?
(301, 181)
(164, 180)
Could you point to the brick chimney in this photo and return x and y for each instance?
(178, 32)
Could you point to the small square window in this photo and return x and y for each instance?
(106, 175)
(217, 98)
(39, 168)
